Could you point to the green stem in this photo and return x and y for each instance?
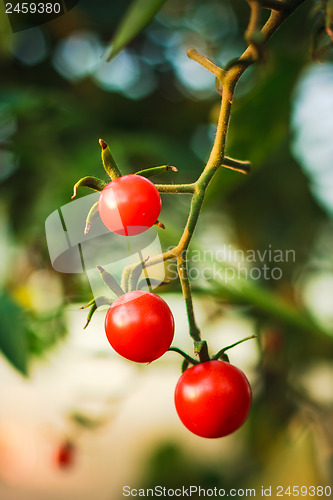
(188, 358)
(217, 154)
(186, 289)
(243, 167)
(276, 18)
(206, 63)
(201, 350)
(176, 188)
(220, 353)
(254, 21)
(229, 78)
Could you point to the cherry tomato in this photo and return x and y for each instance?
(213, 398)
(129, 205)
(139, 326)
(65, 455)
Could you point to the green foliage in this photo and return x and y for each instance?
(138, 16)
(13, 334)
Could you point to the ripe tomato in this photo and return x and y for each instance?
(65, 455)
(129, 205)
(139, 326)
(213, 398)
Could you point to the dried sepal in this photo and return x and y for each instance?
(110, 282)
(159, 224)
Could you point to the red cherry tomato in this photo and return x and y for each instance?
(139, 326)
(65, 455)
(129, 205)
(213, 398)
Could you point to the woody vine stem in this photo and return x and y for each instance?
(227, 79)
(256, 36)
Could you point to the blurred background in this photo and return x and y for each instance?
(75, 419)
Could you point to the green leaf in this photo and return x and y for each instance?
(13, 334)
(137, 17)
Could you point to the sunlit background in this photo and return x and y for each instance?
(76, 420)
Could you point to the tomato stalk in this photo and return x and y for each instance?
(228, 78)
(186, 356)
(221, 352)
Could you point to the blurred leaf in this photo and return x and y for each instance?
(137, 17)
(87, 422)
(13, 340)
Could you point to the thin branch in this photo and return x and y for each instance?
(254, 22)
(239, 166)
(176, 188)
(220, 353)
(206, 63)
(274, 21)
(229, 78)
(188, 358)
(277, 5)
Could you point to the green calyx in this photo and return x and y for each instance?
(109, 164)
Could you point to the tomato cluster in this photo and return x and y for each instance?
(212, 397)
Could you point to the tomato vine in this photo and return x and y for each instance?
(256, 36)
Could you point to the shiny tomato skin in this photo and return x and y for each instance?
(139, 326)
(129, 205)
(213, 399)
